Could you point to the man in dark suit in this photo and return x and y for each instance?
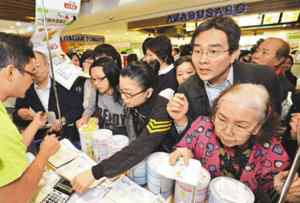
(40, 97)
(215, 50)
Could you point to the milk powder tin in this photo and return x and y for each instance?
(188, 193)
(157, 183)
(229, 190)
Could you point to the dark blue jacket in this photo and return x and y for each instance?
(70, 105)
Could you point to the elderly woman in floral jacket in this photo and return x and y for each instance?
(240, 140)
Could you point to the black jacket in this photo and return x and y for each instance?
(70, 105)
(147, 128)
(167, 80)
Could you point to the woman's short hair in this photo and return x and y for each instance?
(261, 101)
(183, 59)
(88, 54)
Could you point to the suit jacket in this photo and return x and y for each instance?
(194, 89)
(70, 105)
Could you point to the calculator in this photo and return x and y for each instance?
(60, 193)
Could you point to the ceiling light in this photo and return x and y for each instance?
(30, 28)
(30, 18)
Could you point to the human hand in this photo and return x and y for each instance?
(294, 190)
(56, 126)
(177, 108)
(82, 182)
(82, 121)
(183, 152)
(26, 114)
(295, 125)
(49, 146)
(40, 119)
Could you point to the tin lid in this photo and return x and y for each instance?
(229, 190)
(192, 174)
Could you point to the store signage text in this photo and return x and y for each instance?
(70, 5)
(228, 10)
(86, 38)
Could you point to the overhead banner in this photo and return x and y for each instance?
(82, 37)
(229, 10)
(58, 13)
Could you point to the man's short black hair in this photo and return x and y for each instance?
(131, 58)
(225, 24)
(144, 45)
(15, 50)
(161, 46)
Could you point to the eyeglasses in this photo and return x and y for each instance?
(129, 95)
(100, 79)
(210, 53)
(236, 129)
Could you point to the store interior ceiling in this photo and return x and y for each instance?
(112, 22)
(109, 18)
(103, 17)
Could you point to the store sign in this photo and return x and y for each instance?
(86, 38)
(70, 5)
(58, 14)
(228, 10)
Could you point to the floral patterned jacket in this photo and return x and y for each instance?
(263, 161)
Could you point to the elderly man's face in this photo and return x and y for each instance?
(265, 54)
(41, 68)
(211, 56)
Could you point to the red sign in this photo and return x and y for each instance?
(70, 5)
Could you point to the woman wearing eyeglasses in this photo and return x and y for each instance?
(147, 122)
(240, 139)
(105, 102)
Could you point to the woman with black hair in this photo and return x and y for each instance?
(184, 69)
(87, 59)
(147, 124)
(107, 50)
(131, 58)
(75, 58)
(105, 103)
(83, 86)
